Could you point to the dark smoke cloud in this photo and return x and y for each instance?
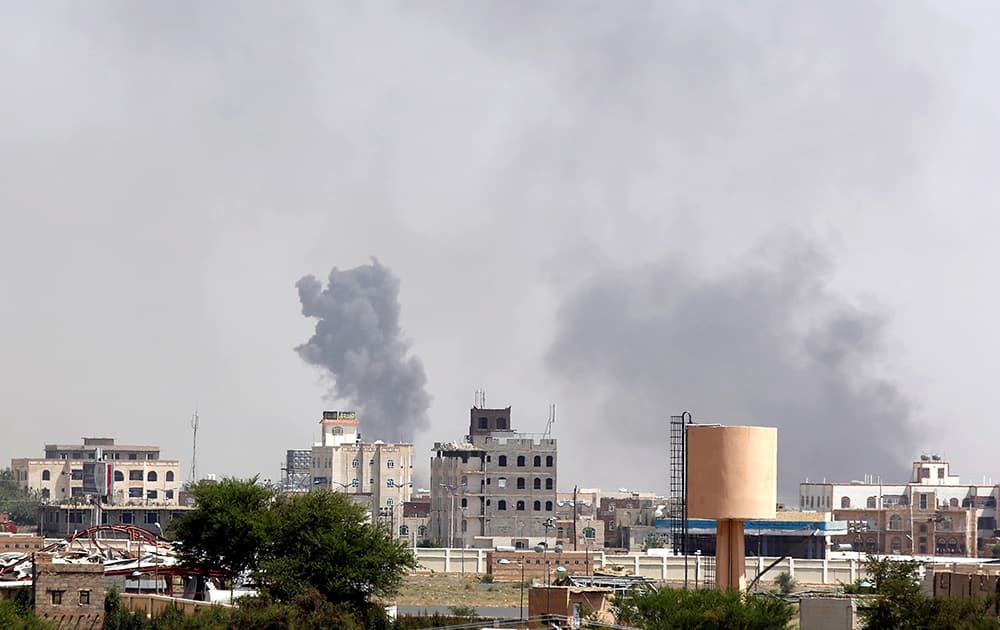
(358, 341)
(767, 344)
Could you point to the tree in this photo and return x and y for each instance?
(228, 527)
(323, 540)
(674, 608)
(20, 502)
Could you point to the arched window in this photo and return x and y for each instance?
(845, 502)
(548, 506)
(404, 530)
(548, 461)
(465, 502)
(422, 531)
(520, 483)
(355, 463)
(538, 460)
(520, 460)
(897, 545)
(484, 423)
(871, 503)
(46, 475)
(502, 482)
(871, 544)
(151, 476)
(520, 506)
(895, 522)
(170, 475)
(537, 506)
(538, 483)
(502, 505)
(502, 424)
(119, 475)
(502, 460)
(548, 484)
(390, 464)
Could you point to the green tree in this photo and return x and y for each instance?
(21, 503)
(228, 527)
(680, 609)
(322, 540)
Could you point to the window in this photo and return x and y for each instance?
(46, 475)
(520, 483)
(465, 526)
(151, 476)
(55, 597)
(896, 545)
(404, 530)
(548, 484)
(131, 456)
(922, 528)
(502, 482)
(388, 503)
(422, 530)
(925, 473)
(135, 475)
(548, 461)
(151, 517)
(538, 461)
(84, 598)
(611, 507)
(845, 502)
(150, 494)
(940, 473)
(502, 460)
(502, 505)
(484, 423)
(520, 506)
(128, 518)
(895, 522)
(520, 460)
(465, 502)
(390, 464)
(589, 532)
(355, 463)
(389, 483)
(135, 493)
(45, 493)
(502, 424)
(870, 503)
(337, 431)
(923, 501)
(538, 483)
(168, 494)
(953, 502)
(76, 474)
(548, 506)
(76, 516)
(537, 506)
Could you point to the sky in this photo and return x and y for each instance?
(773, 213)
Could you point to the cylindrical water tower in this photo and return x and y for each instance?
(732, 477)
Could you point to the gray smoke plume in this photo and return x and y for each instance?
(769, 344)
(358, 341)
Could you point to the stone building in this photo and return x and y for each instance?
(497, 485)
(69, 595)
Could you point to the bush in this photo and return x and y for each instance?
(14, 617)
(486, 578)
(670, 608)
(786, 583)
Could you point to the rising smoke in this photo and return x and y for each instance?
(768, 344)
(359, 343)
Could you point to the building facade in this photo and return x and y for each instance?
(496, 484)
(119, 474)
(378, 474)
(931, 514)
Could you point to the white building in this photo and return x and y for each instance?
(377, 474)
(932, 513)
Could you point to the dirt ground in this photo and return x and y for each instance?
(438, 589)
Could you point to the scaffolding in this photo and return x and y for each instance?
(680, 538)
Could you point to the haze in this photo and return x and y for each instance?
(776, 213)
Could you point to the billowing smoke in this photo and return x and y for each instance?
(358, 341)
(768, 344)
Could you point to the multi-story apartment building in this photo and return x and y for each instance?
(932, 513)
(377, 474)
(119, 474)
(497, 483)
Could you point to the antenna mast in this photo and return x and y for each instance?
(552, 419)
(194, 447)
